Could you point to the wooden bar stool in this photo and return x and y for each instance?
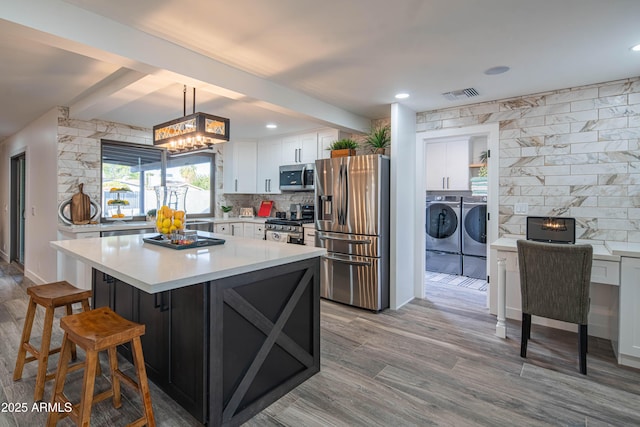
(94, 331)
(49, 296)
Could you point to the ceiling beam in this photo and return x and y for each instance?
(74, 29)
(120, 88)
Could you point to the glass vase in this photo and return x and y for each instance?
(171, 214)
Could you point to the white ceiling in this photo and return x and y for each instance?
(126, 61)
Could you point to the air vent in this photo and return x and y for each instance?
(461, 94)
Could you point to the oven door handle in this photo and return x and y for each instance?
(347, 260)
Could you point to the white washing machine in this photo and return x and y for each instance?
(443, 234)
(474, 237)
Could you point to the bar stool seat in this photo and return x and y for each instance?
(94, 331)
(50, 296)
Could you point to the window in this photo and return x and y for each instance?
(131, 172)
(196, 171)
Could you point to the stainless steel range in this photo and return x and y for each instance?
(284, 230)
(289, 230)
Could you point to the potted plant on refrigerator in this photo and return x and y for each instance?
(343, 147)
(379, 139)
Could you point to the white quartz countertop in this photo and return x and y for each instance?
(137, 225)
(609, 251)
(624, 249)
(153, 268)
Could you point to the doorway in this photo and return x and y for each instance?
(17, 203)
(481, 195)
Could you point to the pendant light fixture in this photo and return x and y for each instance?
(195, 132)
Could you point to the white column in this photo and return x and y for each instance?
(501, 326)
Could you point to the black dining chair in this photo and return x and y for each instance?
(554, 283)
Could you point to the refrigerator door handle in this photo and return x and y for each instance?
(345, 193)
(347, 260)
(341, 195)
(345, 239)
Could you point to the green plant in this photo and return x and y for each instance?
(344, 144)
(226, 208)
(151, 212)
(483, 156)
(379, 138)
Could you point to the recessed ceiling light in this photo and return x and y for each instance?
(636, 48)
(272, 126)
(497, 70)
(402, 95)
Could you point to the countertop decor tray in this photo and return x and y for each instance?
(160, 240)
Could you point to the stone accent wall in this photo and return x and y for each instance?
(79, 151)
(572, 152)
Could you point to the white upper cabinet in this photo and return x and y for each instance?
(300, 148)
(239, 167)
(269, 161)
(448, 165)
(325, 138)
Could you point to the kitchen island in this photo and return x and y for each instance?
(229, 328)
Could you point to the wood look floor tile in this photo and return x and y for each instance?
(435, 362)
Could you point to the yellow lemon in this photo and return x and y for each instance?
(178, 214)
(166, 223)
(172, 229)
(164, 230)
(177, 223)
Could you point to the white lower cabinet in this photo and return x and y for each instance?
(236, 229)
(222, 228)
(629, 344)
(258, 231)
(309, 236)
(240, 229)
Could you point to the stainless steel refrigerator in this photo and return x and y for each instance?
(352, 222)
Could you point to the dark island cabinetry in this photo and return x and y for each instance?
(174, 339)
(227, 348)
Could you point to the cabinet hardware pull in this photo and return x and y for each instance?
(443, 182)
(164, 307)
(236, 184)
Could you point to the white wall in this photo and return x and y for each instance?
(405, 276)
(39, 142)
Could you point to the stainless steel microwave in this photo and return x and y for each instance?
(297, 177)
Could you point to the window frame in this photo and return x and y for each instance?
(164, 163)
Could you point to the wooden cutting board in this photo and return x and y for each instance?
(80, 208)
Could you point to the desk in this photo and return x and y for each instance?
(615, 295)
